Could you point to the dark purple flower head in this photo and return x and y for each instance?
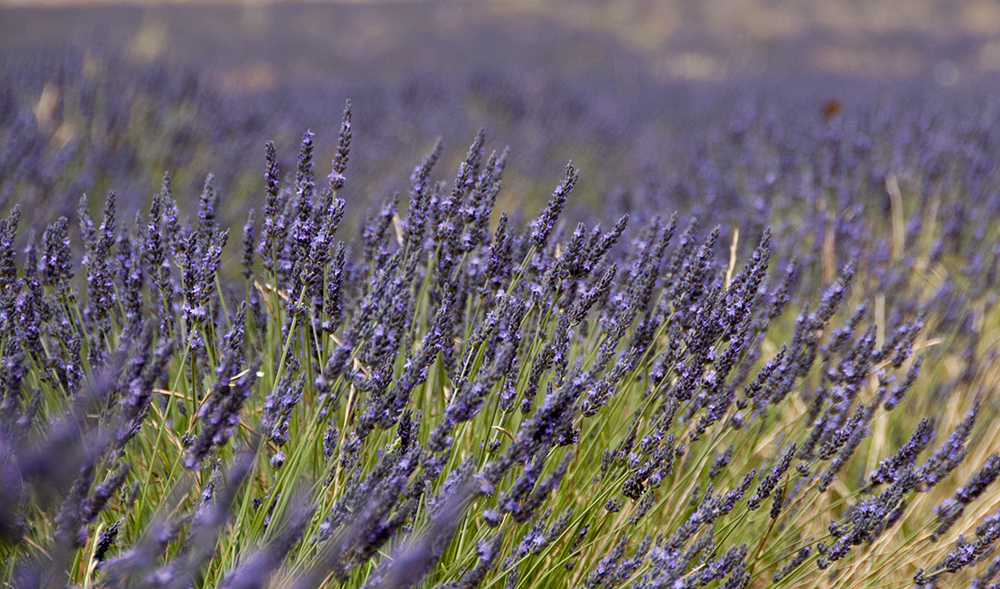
(951, 453)
(57, 263)
(887, 470)
(8, 265)
(734, 495)
(343, 148)
(304, 180)
(898, 392)
(249, 233)
(220, 412)
(207, 205)
(800, 556)
(952, 509)
(542, 226)
(770, 481)
(272, 179)
(278, 408)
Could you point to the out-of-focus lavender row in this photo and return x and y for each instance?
(744, 149)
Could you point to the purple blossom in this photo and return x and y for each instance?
(343, 148)
(543, 225)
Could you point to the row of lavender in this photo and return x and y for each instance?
(457, 398)
(743, 151)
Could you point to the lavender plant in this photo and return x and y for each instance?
(443, 401)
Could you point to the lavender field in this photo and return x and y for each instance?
(458, 295)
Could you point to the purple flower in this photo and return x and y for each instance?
(220, 412)
(542, 226)
(249, 232)
(951, 453)
(951, 509)
(343, 148)
(768, 483)
(904, 458)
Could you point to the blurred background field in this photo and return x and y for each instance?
(297, 41)
(623, 88)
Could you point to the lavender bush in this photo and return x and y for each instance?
(792, 388)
